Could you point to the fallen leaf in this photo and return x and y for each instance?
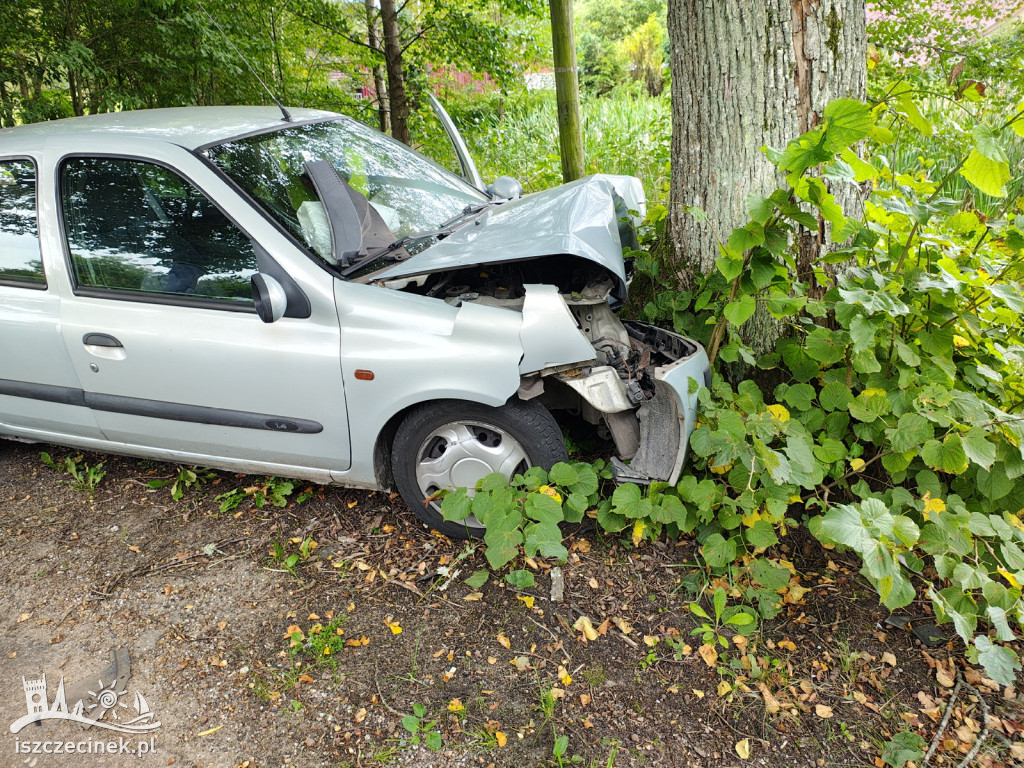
(556, 692)
(651, 640)
(501, 738)
(136, 550)
(473, 597)
(743, 749)
(584, 625)
(305, 679)
(943, 678)
(822, 711)
(313, 617)
(394, 626)
(698, 693)
(583, 546)
(212, 730)
(708, 653)
(360, 715)
(889, 658)
(624, 626)
(504, 641)
(522, 663)
(724, 689)
(787, 645)
(584, 699)
(563, 676)
(771, 704)
(528, 599)
(795, 593)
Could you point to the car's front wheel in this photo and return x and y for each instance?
(453, 444)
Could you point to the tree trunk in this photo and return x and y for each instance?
(567, 89)
(373, 40)
(396, 75)
(746, 75)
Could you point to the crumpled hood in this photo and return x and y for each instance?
(578, 218)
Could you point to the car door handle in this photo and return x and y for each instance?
(103, 345)
(100, 340)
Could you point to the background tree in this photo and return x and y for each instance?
(746, 75)
(567, 90)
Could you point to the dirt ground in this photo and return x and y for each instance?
(253, 647)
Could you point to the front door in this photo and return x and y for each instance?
(164, 338)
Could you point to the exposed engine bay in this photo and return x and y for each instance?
(618, 390)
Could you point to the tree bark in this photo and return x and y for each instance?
(567, 89)
(746, 75)
(373, 40)
(396, 75)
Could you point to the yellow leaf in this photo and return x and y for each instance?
(501, 738)
(753, 517)
(360, 715)
(1010, 578)
(934, 505)
(698, 693)
(212, 730)
(473, 597)
(651, 640)
(856, 464)
(709, 654)
(787, 645)
(394, 627)
(584, 625)
(796, 593)
(779, 412)
(639, 526)
(889, 658)
(771, 704)
(563, 676)
(136, 550)
(722, 468)
(547, 490)
(743, 749)
(822, 711)
(960, 342)
(503, 641)
(528, 599)
(455, 705)
(724, 689)
(624, 626)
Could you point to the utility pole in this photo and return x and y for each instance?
(567, 89)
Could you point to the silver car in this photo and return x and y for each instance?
(305, 297)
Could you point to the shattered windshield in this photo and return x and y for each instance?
(410, 192)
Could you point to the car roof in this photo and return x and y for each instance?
(189, 127)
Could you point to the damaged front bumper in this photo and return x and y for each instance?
(650, 425)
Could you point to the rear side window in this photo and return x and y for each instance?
(20, 260)
(139, 227)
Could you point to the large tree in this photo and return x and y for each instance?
(747, 75)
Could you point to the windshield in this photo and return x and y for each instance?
(411, 193)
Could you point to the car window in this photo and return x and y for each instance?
(137, 226)
(20, 259)
(411, 193)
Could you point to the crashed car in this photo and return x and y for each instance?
(296, 294)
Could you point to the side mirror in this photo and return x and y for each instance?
(505, 188)
(269, 297)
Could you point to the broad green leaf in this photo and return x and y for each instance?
(610, 522)
(847, 121)
(947, 456)
(477, 579)
(835, 396)
(994, 484)
(627, 500)
(563, 474)
(719, 551)
(738, 312)
(761, 534)
(543, 508)
(743, 239)
(978, 448)
(799, 396)
(986, 140)
(731, 267)
(904, 103)
(862, 171)
(989, 176)
(905, 746)
(910, 432)
(1000, 663)
(502, 546)
(456, 505)
(521, 579)
(821, 346)
(759, 208)
(769, 575)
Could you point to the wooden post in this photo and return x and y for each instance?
(567, 89)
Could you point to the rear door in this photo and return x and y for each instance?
(162, 331)
(40, 394)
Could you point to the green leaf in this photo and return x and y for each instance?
(905, 746)
(543, 508)
(759, 208)
(627, 500)
(847, 121)
(769, 575)
(989, 176)
(1000, 663)
(502, 545)
(994, 484)
(738, 312)
(821, 346)
(910, 432)
(731, 267)
(978, 448)
(947, 456)
(610, 522)
(986, 139)
(905, 104)
(411, 723)
(799, 396)
(563, 474)
(743, 239)
(761, 534)
(433, 741)
(477, 579)
(521, 579)
(835, 396)
(456, 505)
(719, 551)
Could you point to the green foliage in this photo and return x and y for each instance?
(188, 478)
(320, 644)
(85, 477)
(905, 746)
(293, 554)
(272, 490)
(421, 729)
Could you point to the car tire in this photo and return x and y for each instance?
(450, 444)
